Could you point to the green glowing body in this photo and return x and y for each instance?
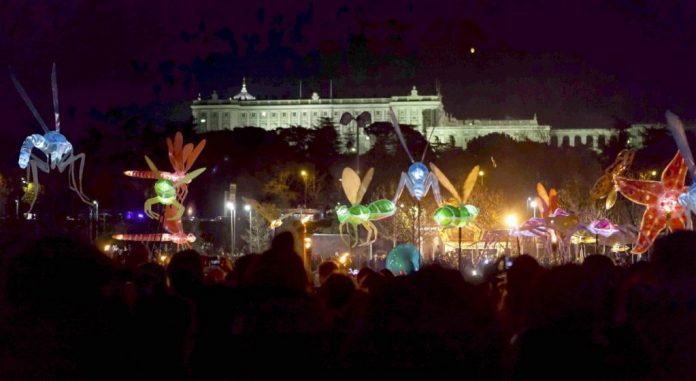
(450, 216)
(364, 215)
(166, 195)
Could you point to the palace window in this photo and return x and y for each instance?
(253, 114)
(273, 114)
(285, 114)
(294, 114)
(304, 114)
(243, 115)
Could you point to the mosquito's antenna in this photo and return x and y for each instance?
(54, 88)
(395, 123)
(27, 101)
(427, 144)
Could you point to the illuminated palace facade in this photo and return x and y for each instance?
(424, 112)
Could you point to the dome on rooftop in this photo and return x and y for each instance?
(244, 95)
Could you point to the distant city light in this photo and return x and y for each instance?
(203, 120)
(653, 173)
(247, 207)
(229, 205)
(141, 216)
(533, 204)
(481, 173)
(472, 50)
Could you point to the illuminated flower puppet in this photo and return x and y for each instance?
(602, 227)
(661, 199)
(357, 214)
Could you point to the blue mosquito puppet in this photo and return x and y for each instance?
(417, 179)
(58, 150)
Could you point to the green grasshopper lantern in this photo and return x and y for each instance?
(165, 191)
(458, 214)
(357, 214)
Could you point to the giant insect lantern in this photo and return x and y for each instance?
(166, 191)
(417, 179)
(458, 214)
(171, 189)
(357, 214)
(55, 146)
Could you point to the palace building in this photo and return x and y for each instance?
(424, 112)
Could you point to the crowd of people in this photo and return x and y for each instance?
(69, 312)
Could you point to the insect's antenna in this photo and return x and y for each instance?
(54, 89)
(427, 144)
(27, 101)
(395, 123)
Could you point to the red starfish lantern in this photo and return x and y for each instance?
(660, 198)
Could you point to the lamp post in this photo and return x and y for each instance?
(247, 207)
(361, 121)
(303, 173)
(233, 214)
(480, 174)
(533, 205)
(95, 203)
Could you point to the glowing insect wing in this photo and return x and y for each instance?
(469, 183)
(381, 209)
(152, 166)
(445, 182)
(350, 181)
(541, 191)
(363, 185)
(192, 175)
(611, 197)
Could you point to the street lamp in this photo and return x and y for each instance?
(233, 216)
(480, 174)
(303, 173)
(534, 205)
(512, 222)
(362, 121)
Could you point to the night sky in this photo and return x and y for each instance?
(581, 64)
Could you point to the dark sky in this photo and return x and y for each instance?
(574, 64)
